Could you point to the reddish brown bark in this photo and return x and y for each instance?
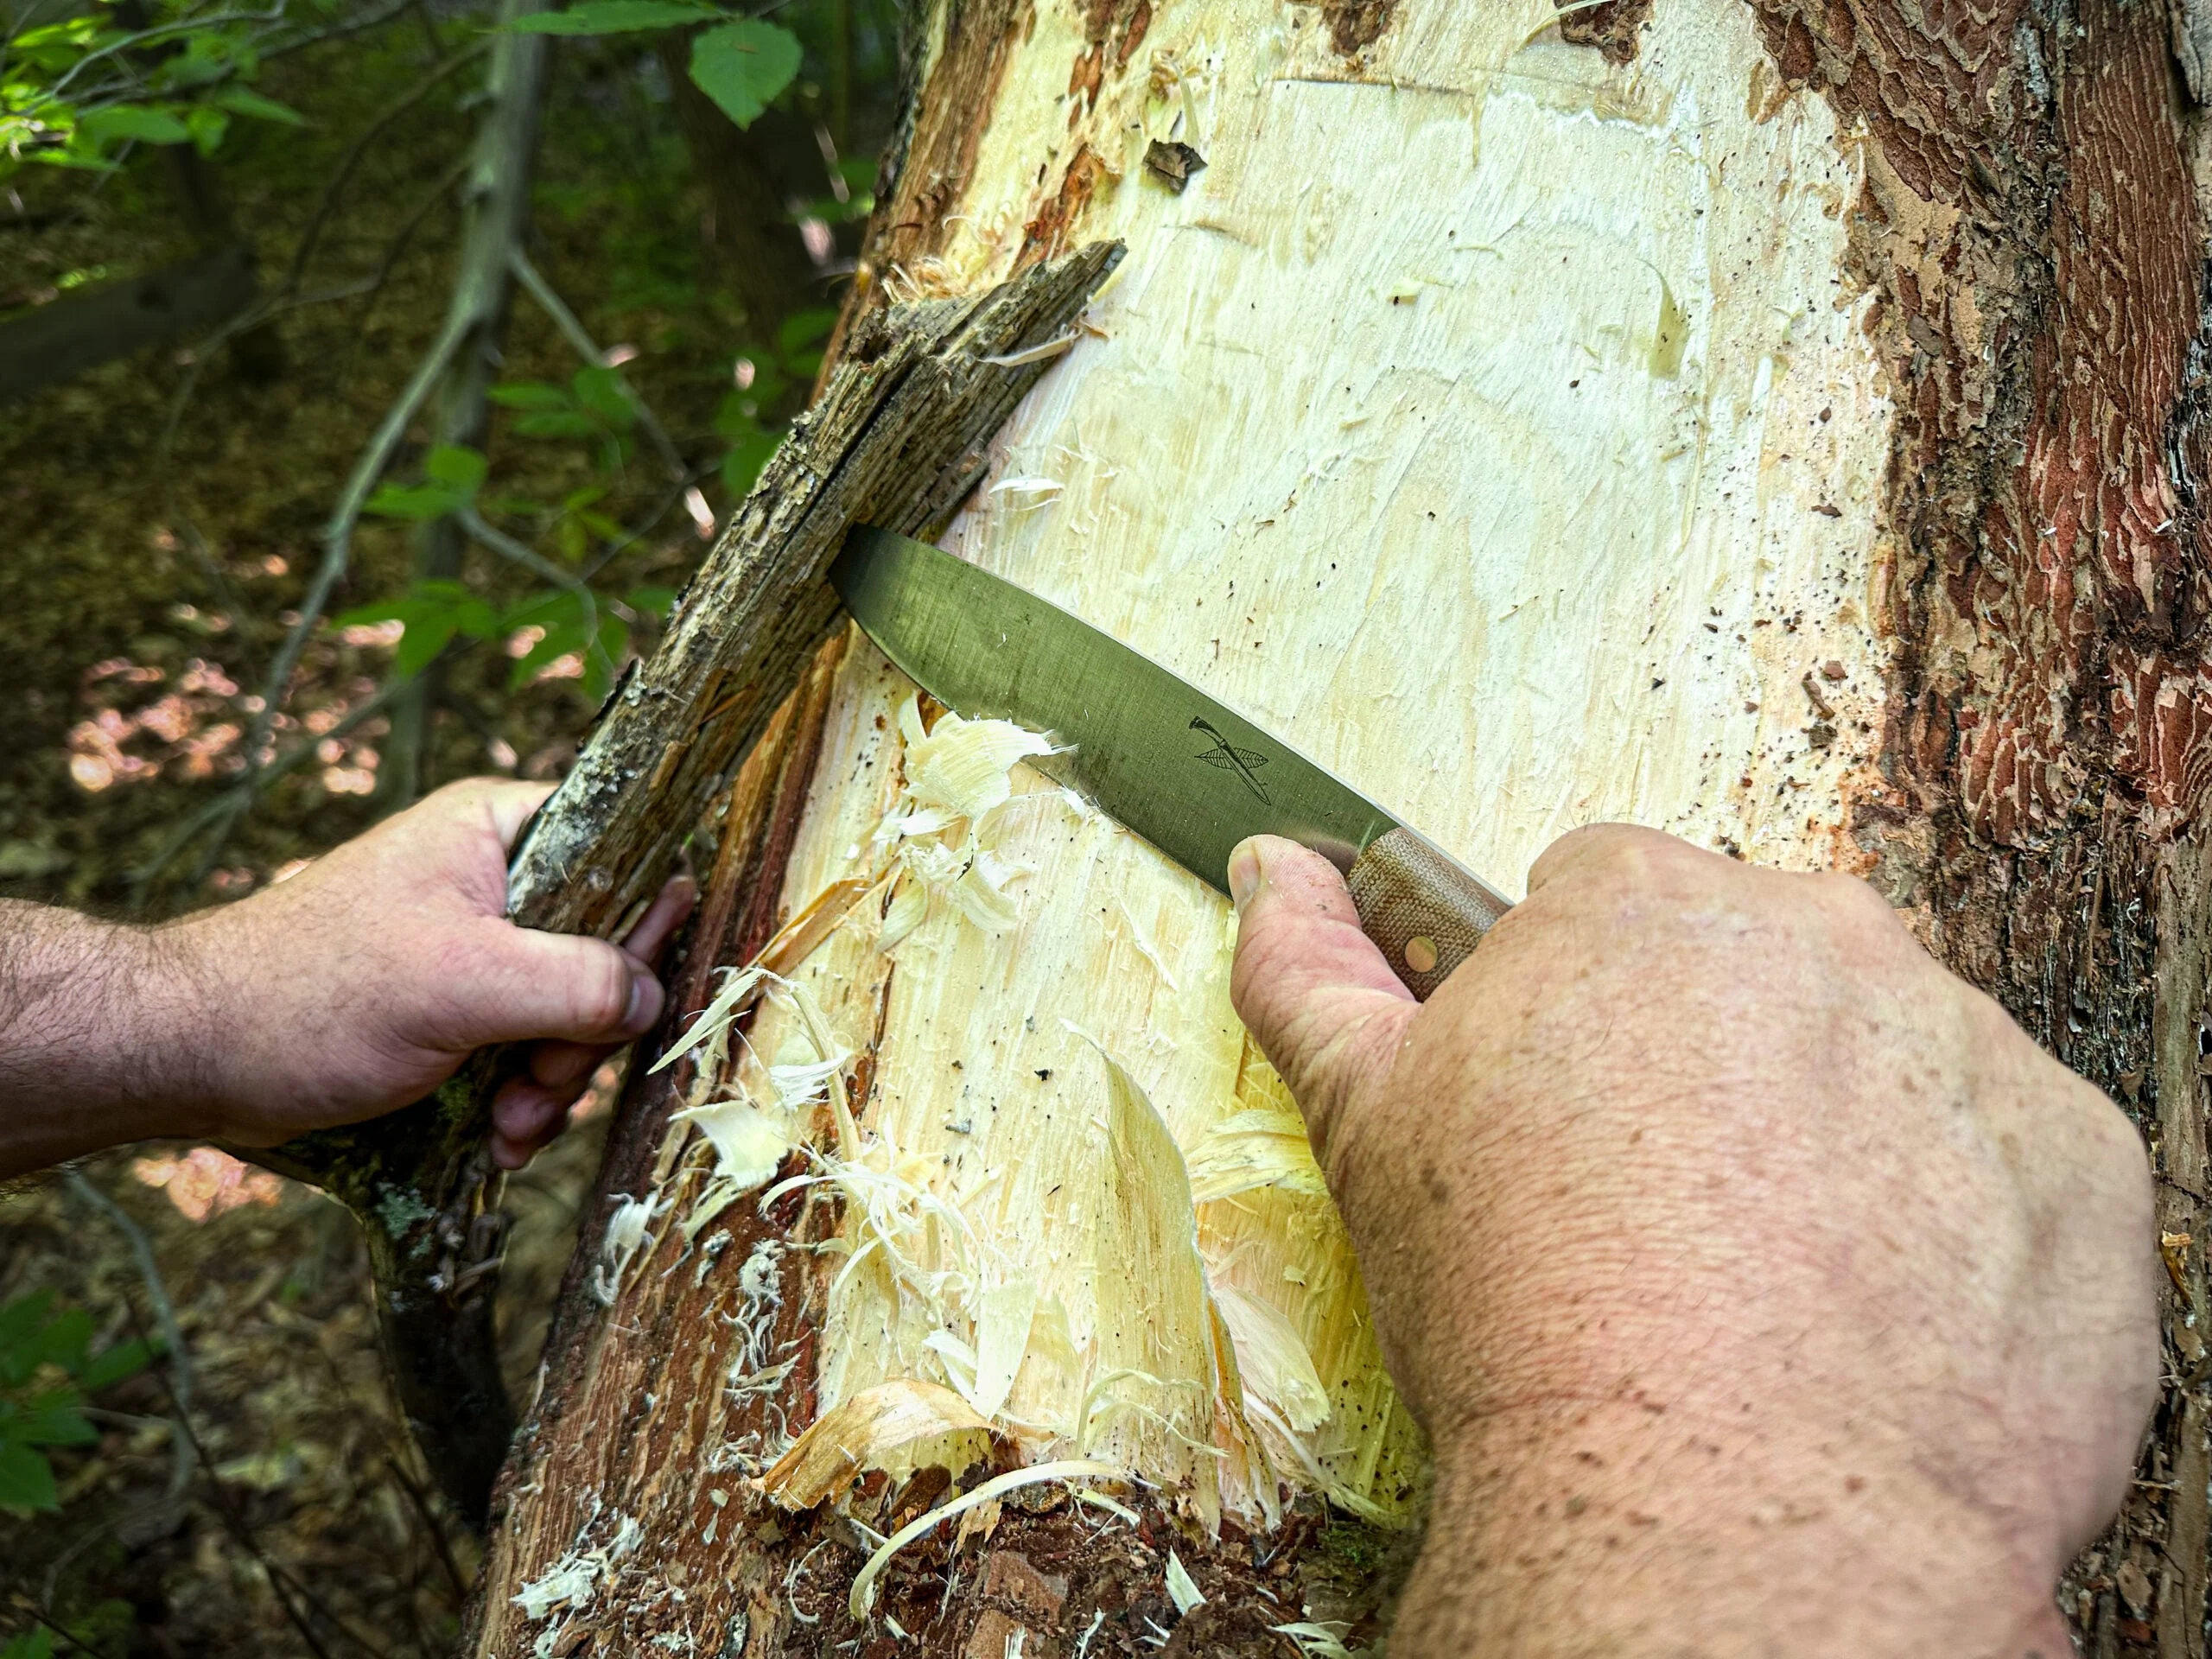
(2031, 233)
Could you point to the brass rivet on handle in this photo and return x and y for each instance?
(1421, 954)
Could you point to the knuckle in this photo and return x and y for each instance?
(1858, 913)
(600, 989)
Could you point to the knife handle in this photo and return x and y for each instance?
(1425, 912)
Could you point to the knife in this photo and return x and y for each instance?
(1188, 775)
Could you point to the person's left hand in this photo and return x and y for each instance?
(364, 982)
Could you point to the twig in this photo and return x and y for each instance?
(473, 526)
(179, 1359)
(144, 877)
(226, 593)
(130, 43)
(400, 238)
(339, 32)
(338, 546)
(417, 1496)
(645, 525)
(281, 1584)
(338, 532)
(61, 1632)
(580, 338)
(359, 149)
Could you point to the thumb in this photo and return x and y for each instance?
(537, 985)
(1312, 989)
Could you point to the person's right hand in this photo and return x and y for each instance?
(1763, 1288)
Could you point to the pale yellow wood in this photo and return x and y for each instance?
(1469, 391)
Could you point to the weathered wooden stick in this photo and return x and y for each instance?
(897, 439)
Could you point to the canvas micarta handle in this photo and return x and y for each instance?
(1424, 912)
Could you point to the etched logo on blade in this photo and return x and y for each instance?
(1245, 763)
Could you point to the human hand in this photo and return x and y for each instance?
(1761, 1286)
(364, 981)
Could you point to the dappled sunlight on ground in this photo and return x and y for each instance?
(205, 1182)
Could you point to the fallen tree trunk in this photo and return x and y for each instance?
(65, 336)
(1781, 424)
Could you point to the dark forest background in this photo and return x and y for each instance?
(371, 375)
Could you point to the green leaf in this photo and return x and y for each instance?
(553, 607)
(457, 465)
(62, 1343)
(52, 1420)
(243, 100)
(129, 121)
(432, 613)
(561, 423)
(557, 642)
(741, 466)
(650, 601)
(76, 31)
(743, 66)
(207, 125)
(601, 392)
(805, 328)
(113, 1364)
(421, 502)
(612, 17)
(420, 645)
(601, 665)
(21, 1316)
(36, 1643)
(528, 394)
(26, 1479)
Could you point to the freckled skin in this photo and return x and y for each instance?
(356, 987)
(1773, 1293)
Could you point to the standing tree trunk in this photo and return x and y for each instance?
(1776, 422)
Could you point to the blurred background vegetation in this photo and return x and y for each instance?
(371, 378)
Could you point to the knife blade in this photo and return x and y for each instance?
(1188, 774)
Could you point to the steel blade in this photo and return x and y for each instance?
(1192, 777)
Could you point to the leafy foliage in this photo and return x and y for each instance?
(765, 378)
(550, 623)
(82, 92)
(46, 1369)
(594, 405)
(539, 630)
(615, 17)
(743, 65)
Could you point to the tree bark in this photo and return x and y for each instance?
(1781, 423)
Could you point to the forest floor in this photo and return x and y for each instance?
(141, 596)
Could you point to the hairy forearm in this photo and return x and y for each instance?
(102, 1030)
(1630, 1528)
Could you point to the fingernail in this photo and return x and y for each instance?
(1243, 873)
(644, 1004)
